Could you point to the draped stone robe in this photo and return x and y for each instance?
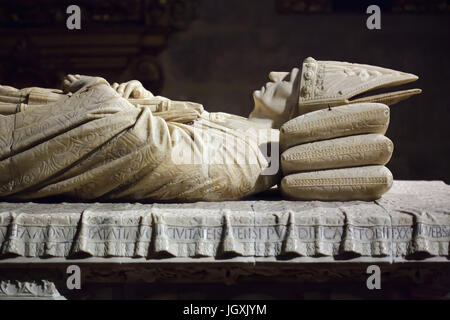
(95, 145)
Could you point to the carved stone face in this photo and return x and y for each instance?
(325, 83)
(275, 101)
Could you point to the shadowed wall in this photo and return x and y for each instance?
(230, 48)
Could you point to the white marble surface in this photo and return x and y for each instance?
(412, 218)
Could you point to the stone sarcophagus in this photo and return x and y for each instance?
(399, 225)
(405, 231)
(150, 179)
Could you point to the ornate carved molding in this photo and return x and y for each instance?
(327, 6)
(105, 13)
(31, 289)
(391, 228)
(118, 40)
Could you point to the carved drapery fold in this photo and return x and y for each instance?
(400, 224)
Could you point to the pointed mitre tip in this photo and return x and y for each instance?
(408, 77)
(412, 92)
(412, 77)
(399, 78)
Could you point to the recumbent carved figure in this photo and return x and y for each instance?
(96, 141)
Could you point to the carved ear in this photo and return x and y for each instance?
(276, 76)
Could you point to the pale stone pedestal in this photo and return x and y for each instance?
(406, 233)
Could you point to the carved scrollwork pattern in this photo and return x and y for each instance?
(162, 13)
(397, 226)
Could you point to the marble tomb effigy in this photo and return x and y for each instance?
(114, 155)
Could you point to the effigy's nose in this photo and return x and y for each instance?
(276, 76)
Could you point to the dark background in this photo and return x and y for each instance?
(217, 52)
